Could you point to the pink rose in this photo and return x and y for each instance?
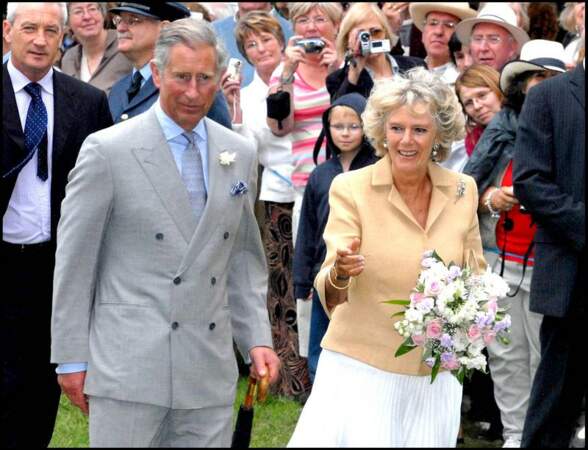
(418, 339)
(488, 336)
(474, 333)
(434, 329)
(416, 297)
(449, 361)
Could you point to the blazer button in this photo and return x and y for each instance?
(212, 326)
(177, 280)
(175, 325)
(226, 235)
(213, 281)
(159, 236)
(124, 116)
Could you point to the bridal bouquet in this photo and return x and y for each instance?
(453, 315)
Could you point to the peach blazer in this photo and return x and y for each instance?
(365, 203)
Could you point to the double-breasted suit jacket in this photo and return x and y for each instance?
(365, 203)
(148, 297)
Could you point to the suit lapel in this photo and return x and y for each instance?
(578, 84)
(12, 127)
(146, 91)
(157, 162)
(64, 115)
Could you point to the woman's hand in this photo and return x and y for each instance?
(358, 62)
(329, 56)
(348, 262)
(232, 91)
(503, 198)
(293, 55)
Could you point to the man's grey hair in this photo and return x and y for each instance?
(13, 7)
(192, 33)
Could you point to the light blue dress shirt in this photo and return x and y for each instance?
(6, 57)
(177, 144)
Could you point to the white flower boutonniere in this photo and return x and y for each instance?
(227, 158)
(461, 188)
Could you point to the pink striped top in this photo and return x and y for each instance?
(309, 105)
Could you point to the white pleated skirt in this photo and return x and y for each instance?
(353, 404)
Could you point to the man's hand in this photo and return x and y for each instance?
(72, 385)
(264, 359)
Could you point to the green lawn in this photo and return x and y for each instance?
(273, 423)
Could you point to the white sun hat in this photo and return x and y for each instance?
(418, 11)
(538, 54)
(497, 13)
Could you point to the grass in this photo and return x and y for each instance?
(273, 424)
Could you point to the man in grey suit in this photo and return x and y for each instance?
(160, 265)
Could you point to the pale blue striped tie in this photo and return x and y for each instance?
(193, 176)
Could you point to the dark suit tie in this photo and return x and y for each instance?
(36, 129)
(135, 85)
(193, 175)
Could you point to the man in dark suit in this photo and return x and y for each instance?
(549, 180)
(138, 25)
(46, 117)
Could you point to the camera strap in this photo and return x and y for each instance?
(508, 226)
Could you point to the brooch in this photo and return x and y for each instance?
(461, 187)
(227, 158)
(239, 188)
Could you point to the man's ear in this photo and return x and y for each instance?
(6, 28)
(155, 74)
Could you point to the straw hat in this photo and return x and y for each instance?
(538, 54)
(498, 13)
(418, 11)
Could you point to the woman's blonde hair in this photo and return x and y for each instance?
(418, 85)
(333, 10)
(354, 15)
(257, 22)
(479, 76)
(567, 18)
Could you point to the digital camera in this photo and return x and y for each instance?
(367, 46)
(311, 45)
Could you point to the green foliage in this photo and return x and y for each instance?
(405, 347)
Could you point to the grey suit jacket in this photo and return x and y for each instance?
(148, 298)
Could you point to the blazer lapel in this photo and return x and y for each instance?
(11, 157)
(578, 84)
(64, 115)
(382, 176)
(157, 162)
(146, 91)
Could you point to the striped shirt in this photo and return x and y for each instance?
(309, 105)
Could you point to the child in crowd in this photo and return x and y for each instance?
(347, 149)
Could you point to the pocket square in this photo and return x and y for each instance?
(239, 188)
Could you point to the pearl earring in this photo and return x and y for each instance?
(435, 152)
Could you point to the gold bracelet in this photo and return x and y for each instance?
(337, 287)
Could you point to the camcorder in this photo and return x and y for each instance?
(367, 46)
(311, 45)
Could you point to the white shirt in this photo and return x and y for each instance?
(28, 217)
(447, 72)
(274, 153)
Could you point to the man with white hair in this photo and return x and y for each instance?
(493, 35)
(46, 117)
(160, 264)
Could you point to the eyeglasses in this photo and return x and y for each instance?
(353, 127)
(493, 39)
(449, 24)
(79, 12)
(129, 21)
(375, 32)
(304, 21)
